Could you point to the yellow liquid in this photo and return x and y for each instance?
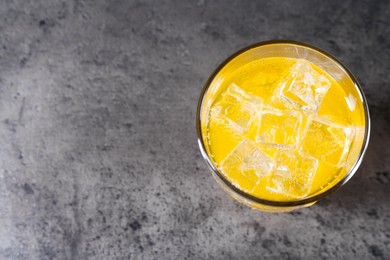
(305, 153)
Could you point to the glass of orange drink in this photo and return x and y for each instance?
(281, 125)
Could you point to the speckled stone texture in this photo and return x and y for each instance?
(98, 150)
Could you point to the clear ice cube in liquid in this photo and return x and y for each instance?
(238, 108)
(281, 128)
(304, 87)
(293, 174)
(328, 141)
(246, 165)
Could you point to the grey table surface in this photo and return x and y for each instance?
(98, 147)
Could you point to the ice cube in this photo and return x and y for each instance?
(280, 128)
(280, 175)
(328, 141)
(271, 150)
(238, 108)
(293, 174)
(304, 87)
(246, 165)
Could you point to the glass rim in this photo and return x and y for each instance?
(274, 203)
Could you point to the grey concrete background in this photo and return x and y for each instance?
(98, 152)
